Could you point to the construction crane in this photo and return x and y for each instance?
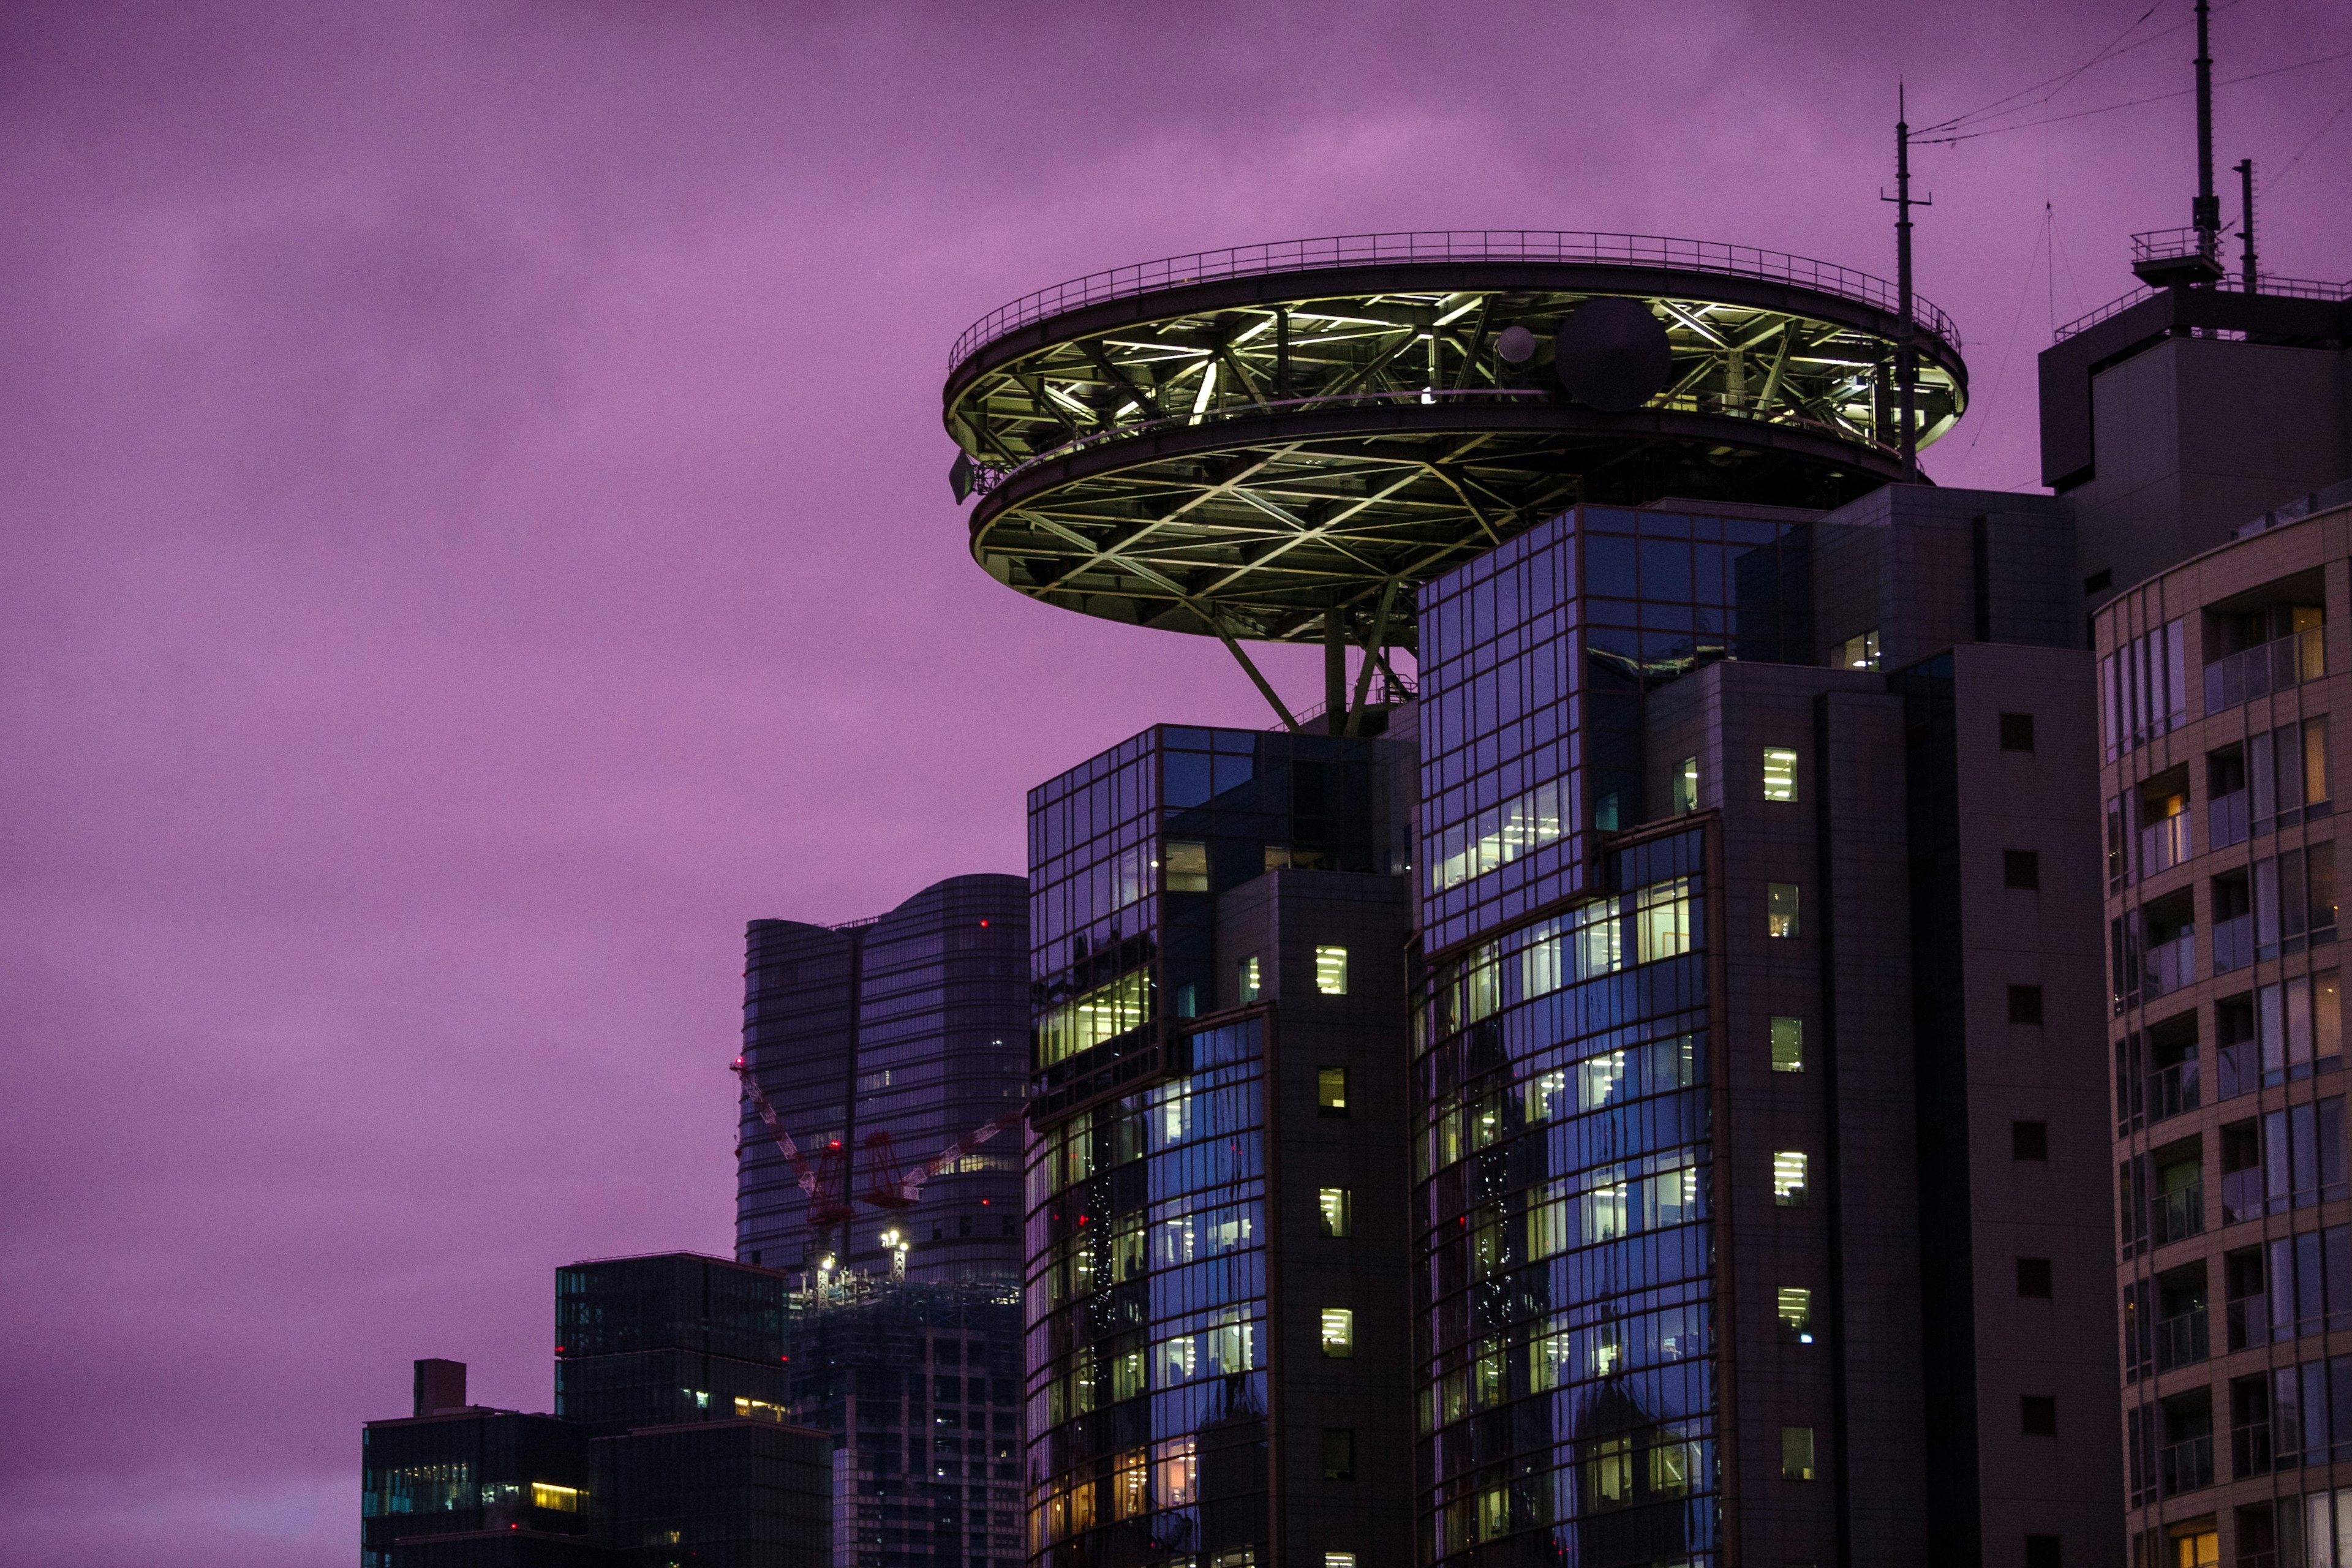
(892, 1190)
(821, 1179)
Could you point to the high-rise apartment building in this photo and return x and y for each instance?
(879, 1042)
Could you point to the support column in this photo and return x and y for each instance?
(1334, 670)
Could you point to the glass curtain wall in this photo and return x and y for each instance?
(1535, 661)
(1568, 1394)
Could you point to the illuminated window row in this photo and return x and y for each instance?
(1089, 1019)
(1497, 836)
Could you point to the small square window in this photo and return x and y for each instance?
(1788, 1044)
(1780, 908)
(2029, 1139)
(2025, 1004)
(1339, 1331)
(1796, 1453)
(1339, 1465)
(2037, 1416)
(2020, 868)
(2033, 1278)
(1331, 1091)
(1331, 971)
(1336, 1208)
(2016, 731)
(1187, 867)
(1246, 980)
(1796, 1308)
(1685, 786)
(1779, 773)
(2043, 1552)
(1338, 1559)
(1860, 652)
(1789, 1179)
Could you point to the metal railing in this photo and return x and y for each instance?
(2266, 668)
(2288, 288)
(2171, 966)
(2181, 1340)
(2242, 1195)
(1448, 245)
(2163, 843)
(2177, 1213)
(2185, 1467)
(2233, 943)
(2249, 1321)
(2172, 244)
(2172, 1091)
(2225, 820)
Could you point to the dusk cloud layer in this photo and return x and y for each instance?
(478, 532)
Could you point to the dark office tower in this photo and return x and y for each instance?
(2218, 682)
(922, 1383)
(1756, 1097)
(677, 1337)
(881, 1043)
(2171, 416)
(1216, 1361)
(447, 1485)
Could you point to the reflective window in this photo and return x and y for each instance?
(1779, 773)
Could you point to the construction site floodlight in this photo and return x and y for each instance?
(1281, 442)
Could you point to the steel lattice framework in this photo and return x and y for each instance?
(1282, 442)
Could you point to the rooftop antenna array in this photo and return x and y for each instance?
(2178, 257)
(1906, 352)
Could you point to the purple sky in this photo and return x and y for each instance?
(477, 531)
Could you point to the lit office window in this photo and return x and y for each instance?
(1796, 1305)
(1779, 773)
(1796, 1453)
(1339, 1331)
(1247, 981)
(1685, 786)
(1187, 870)
(1789, 1178)
(1336, 1208)
(1338, 1559)
(562, 1500)
(1788, 1044)
(1857, 652)
(1331, 1090)
(1780, 910)
(1331, 971)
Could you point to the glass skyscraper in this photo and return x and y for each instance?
(879, 1042)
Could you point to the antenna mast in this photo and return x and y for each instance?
(1906, 352)
(2206, 215)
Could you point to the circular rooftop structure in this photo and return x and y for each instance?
(1281, 442)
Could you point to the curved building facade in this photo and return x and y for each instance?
(2218, 682)
(879, 1042)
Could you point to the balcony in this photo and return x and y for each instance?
(2249, 1451)
(2185, 1467)
(2269, 666)
(2171, 965)
(2237, 1070)
(2181, 1340)
(2242, 1195)
(2225, 820)
(2179, 1214)
(2163, 843)
(2233, 943)
(2248, 1323)
(2167, 258)
(2172, 1091)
